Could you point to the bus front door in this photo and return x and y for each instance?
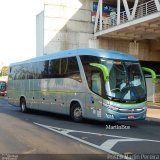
(94, 99)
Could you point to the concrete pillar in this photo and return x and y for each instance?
(94, 43)
(97, 17)
(40, 34)
(100, 10)
(118, 11)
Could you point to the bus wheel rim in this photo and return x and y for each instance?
(23, 106)
(77, 113)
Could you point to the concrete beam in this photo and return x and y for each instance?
(154, 25)
(157, 31)
(149, 30)
(144, 24)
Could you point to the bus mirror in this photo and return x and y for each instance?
(152, 72)
(103, 68)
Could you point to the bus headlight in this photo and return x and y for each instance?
(144, 108)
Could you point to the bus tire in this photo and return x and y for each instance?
(76, 112)
(23, 105)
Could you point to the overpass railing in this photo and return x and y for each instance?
(142, 10)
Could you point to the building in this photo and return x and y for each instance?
(130, 26)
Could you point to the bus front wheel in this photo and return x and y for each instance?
(23, 105)
(76, 112)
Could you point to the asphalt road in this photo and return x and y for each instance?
(43, 135)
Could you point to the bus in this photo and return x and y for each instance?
(85, 83)
(3, 88)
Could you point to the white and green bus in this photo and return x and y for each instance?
(82, 83)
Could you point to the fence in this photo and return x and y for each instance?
(142, 10)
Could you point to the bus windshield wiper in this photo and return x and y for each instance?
(114, 98)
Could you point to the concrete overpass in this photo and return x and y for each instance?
(137, 23)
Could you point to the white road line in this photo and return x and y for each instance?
(65, 133)
(112, 142)
(106, 146)
(98, 134)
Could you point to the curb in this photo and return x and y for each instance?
(153, 119)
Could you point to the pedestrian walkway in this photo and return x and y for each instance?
(153, 111)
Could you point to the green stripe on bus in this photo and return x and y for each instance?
(103, 68)
(152, 72)
(51, 92)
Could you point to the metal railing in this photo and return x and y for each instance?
(141, 11)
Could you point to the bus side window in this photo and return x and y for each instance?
(54, 68)
(73, 71)
(96, 83)
(69, 68)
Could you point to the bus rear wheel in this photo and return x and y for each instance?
(76, 112)
(23, 105)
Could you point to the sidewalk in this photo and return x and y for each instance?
(153, 111)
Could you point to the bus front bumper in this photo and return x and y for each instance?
(111, 115)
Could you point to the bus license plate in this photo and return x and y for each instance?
(130, 117)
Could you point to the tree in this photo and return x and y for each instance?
(4, 71)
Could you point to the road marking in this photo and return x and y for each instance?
(63, 130)
(112, 142)
(30, 151)
(66, 131)
(106, 146)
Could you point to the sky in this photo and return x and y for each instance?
(18, 29)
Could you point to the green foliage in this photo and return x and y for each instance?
(4, 71)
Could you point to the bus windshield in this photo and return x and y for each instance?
(122, 81)
(125, 81)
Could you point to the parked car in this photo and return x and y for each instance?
(3, 88)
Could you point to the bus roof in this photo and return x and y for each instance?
(110, 54)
